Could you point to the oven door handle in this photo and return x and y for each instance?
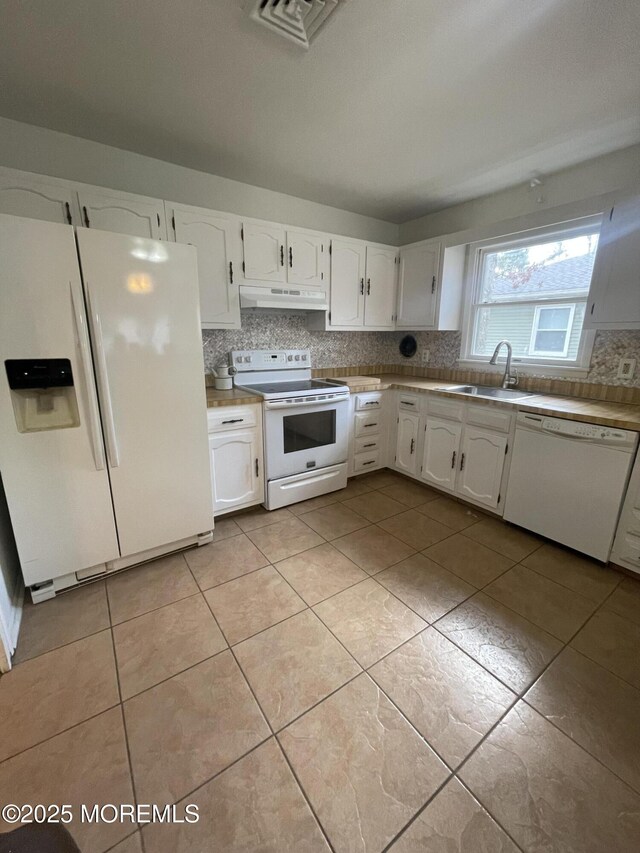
(302, 402)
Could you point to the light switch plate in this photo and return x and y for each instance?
(626, 368)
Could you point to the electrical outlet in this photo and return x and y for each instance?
(626, 368)
(425, 356)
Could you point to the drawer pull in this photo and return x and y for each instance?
(406, 403)
(371, 444)
(372, 403)
(366, 426)
(370, 462)
(234, 421)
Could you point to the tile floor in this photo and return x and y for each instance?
(377, 669)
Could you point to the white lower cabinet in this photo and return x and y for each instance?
(482, 458)
(407, 442)
(235, 451)
(440, 455)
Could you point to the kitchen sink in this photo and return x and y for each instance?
(488, 391)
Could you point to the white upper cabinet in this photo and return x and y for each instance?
(418, 280)
(482, 458)
(123, 213)
(264, 247)
(614, 301)
(216, 237)
(305, 258)
(441, 450)
(347, 283)
(380, 287)
(23, 194)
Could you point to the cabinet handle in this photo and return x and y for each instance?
(257, 467)
(371, 462)
(86, 216)
(234, 421)
(290, 256)
(281, 255)
(366, 426)
(68, 210)
(433, 284)
(371, 444)
(413, 446)
(368, 286)
(453, 459)
(462, 462)
(230, 272)
(361, 287)
(371, 403)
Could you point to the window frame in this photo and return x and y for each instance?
(475, 262)
(539, 308)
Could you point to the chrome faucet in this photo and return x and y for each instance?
(509, 378)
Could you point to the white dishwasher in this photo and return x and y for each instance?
(568, 479)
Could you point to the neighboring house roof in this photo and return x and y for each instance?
(561, 278)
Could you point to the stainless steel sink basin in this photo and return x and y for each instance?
(488, 391)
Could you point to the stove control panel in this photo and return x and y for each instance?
(245, 360)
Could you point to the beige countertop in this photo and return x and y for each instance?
(620, 415)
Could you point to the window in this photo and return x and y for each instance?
(532, 291)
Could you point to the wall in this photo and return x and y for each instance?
(619, 170)
(46, 152)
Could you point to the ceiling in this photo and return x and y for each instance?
(398, 109)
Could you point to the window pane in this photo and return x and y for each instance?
(515, 323)
(559, 268)
(554, 318)
(550, 342)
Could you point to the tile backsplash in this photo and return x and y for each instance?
(281, 330)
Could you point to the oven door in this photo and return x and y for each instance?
(303, 436)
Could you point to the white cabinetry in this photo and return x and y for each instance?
(235, 449)
(441, 450)
(368, 432)
(380, 290)
(482, 457)
(626, 545)
(216, 237)
(614, 300)
(23, 194)
(407, 441)
(430, 285)
(348, 259)
(123, 213)
(274, 253)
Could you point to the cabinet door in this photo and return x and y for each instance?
(264, 252)
(441, 449)
(482, 457)
(235, 469)
(347, 283)
(217, 241)
(615, 291)
(122, 213)
(36, 199)
(406, 442)
(417, 286)
(305, 259)
(380, 290)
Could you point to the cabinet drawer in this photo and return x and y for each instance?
(490, 417)
(224, 418)
(368, 424)
(368, 402)
(365, 462)
(408, 402)
(627, 547)
(441, 408)
(367, 444)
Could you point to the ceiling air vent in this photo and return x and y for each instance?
(296, 20)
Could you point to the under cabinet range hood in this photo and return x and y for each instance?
(287, 298)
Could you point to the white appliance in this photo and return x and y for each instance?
(103, 425)
(306, 424)
(568, 479)
(289, 298)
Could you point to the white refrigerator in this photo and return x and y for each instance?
(103, 428)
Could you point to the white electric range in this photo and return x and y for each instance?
(306, 424)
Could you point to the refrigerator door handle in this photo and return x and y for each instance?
(103, 383)
(95, 432)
